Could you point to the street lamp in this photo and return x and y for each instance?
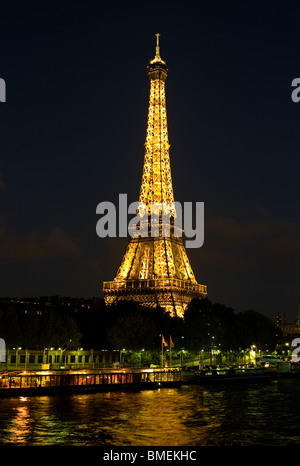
(140, 354)
(121, 356)
(17, 355)
(181, 355)
(211, 346)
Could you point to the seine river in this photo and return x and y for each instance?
(244, 414)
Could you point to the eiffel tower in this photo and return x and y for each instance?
(155, 270)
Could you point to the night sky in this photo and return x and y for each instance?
(73, 130)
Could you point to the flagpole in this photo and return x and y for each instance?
(162, 352)
(170, 352)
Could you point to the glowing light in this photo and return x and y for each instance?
(156, 270)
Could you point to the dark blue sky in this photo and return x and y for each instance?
(74, 124)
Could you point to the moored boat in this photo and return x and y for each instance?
(225, 375)
(16, 383)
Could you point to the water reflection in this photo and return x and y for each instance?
(20, 425)
(225, 415)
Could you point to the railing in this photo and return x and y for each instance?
(155, 283)
(53, 379)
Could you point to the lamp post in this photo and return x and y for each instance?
(121, 356)
(181, 356)
(140, 354)
(17, 356)
(211, 346)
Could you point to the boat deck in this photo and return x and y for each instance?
(226, 375)
(15, 383)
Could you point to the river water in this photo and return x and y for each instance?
(236, 414)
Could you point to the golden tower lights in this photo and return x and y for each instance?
(155, 270)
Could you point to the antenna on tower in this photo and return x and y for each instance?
(157, 54)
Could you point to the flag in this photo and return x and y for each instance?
(164, 341)
(171, 342)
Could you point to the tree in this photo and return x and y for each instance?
(261, 331)
(135, 326)
(59, 330)
(93, 325)
(10, 329)
(132, 331)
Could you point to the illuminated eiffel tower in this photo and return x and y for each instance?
(155, 270)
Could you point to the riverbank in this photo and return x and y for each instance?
(48, 382)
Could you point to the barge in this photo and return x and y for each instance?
(208, 376)
(28, 383)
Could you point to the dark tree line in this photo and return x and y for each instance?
(208, 324)
(38, 330)
(134, 327)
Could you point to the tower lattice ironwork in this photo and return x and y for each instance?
(155, 269)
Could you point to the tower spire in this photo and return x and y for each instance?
(157, 54)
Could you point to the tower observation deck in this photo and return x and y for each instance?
(155, 270)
